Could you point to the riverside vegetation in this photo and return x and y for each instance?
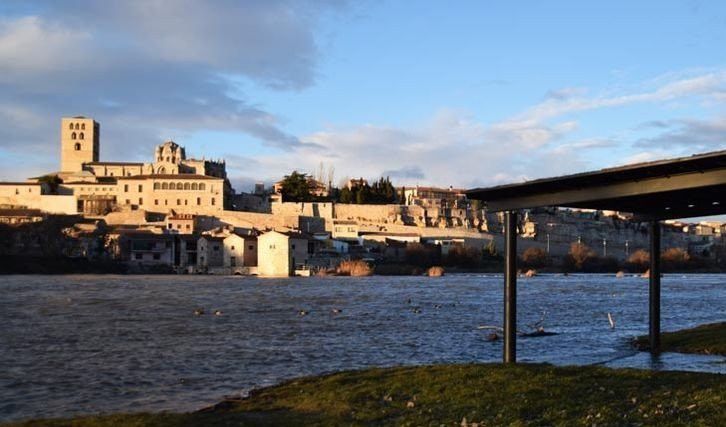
(462, 395)
(703, 339)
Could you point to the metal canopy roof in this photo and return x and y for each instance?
(674, 188)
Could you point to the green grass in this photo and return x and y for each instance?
(488, 394)
(704, 339)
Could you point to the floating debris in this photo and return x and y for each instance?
(198, 311)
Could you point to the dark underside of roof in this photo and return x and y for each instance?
(676, 188)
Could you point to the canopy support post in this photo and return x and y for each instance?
(654, 289)
(510, 287)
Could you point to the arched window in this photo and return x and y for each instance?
(70, 126)
(164, 186)
(187, 186)
(157, 186)
(80, 135)
(172, 186)
(179, 186)
(195, 186)
(173, 159)
(178, 202)
(73, 135)
(202, 187)
(77, 127)
(199, 201)
(77, 147)
(167, 158)
(83, 126)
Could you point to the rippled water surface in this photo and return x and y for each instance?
(85, 344)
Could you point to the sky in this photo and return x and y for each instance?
(464, 93)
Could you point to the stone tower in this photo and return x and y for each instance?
(80, 138)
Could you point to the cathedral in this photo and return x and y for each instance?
(88, 186)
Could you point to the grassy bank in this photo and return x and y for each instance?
(703, 339)
(446, 394)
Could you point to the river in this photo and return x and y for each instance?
(89, 344)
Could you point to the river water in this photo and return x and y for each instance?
(88, 344)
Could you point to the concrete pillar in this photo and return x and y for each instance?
(510, 287)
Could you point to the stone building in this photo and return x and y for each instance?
(92, 187)
(80, 142)
(279, 254)
(240, 251)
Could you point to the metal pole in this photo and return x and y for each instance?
(654, 288)
(510, 287)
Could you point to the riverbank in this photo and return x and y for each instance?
(487, 394)
(703, 339)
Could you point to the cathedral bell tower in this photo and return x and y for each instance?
(80, 138)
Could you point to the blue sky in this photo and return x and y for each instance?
(444, 93)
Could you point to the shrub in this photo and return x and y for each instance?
(534, 258)
(579, 256)
(421, 255)
(462, 256)
(354, 268)
(675, 259)
(639, 260)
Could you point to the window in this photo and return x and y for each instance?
(293, 246)
(216, 248)
(166, 202)
(157, 186)
(141, 188)
(186, 202)
(213, 201)
(77, 147)
(231, 247)
(167, 159)
(165, 186)
(178, 226)
(199, 201)
(70, 126)
(141, 201)
(178, 202)
(126, 188)
(189, 227)
(250, 247)
(80, 135)
(179, 186)
(202, 187)
(172, 186)
(77, 127)
(83, 126)
(73, 135)
(170, 226)
(194, 186)
(128, 202)
(187, 186)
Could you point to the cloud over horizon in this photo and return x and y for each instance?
(146, 69)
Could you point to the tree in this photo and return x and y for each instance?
(296, 188)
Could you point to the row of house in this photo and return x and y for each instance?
(269, 254)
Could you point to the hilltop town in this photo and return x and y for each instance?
(181, 214)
